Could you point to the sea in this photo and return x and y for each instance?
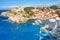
(22, 31)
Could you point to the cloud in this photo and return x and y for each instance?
(8, 6)
(58, 2)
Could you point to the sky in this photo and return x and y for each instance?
(8, 4)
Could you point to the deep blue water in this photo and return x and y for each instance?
(22, 31)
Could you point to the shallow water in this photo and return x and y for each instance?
(22, 31)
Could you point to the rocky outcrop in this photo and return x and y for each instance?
(20, 15)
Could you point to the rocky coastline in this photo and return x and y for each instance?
(22, 14)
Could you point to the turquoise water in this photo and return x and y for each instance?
(22, 31)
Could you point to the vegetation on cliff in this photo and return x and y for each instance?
(22, 14)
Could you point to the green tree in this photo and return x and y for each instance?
(28, 10)
(54, 7)
(58, 13)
